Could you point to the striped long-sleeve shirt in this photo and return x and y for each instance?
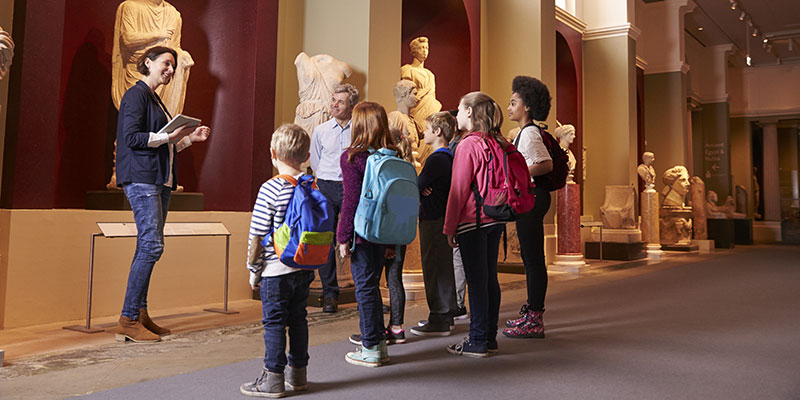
(268, 214)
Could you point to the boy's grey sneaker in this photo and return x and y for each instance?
(268, 384)
(466, 348)
(430, 329)
(296, 378)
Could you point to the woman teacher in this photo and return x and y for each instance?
(146, 171)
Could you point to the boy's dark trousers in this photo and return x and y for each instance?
(283, 302)
(437, 272)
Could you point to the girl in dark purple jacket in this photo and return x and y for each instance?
(370, 129)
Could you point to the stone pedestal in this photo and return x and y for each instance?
(649, 222)
(704, 245)
(722, 231)
(743, 230)
(569, 257)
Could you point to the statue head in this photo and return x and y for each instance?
(534, 95)
(345, 97)
(565, 135)
(648, 158)
(419, 48)
(405, 93)
(677, 178)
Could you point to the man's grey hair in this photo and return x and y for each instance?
(348, 88)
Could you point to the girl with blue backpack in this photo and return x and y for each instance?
(370, 130)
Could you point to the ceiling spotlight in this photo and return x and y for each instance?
(733, 5)
(699, 28)
(741, 16)
(755, 32)
(765, 40)
(749, 61)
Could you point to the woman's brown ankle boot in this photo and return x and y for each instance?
(150, 325)
(128, 329)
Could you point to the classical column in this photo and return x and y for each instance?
(771, 184)
(568, 256)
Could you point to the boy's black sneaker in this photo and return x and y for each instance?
(461, 313)
(430, 329)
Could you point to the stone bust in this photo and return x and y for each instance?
(677, 184)
(647, 172)
(566, 135)
(405, 97)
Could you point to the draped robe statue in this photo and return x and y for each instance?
(140, 25)
(425, 82)
(317, 77)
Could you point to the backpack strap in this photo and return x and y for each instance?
(288, 178)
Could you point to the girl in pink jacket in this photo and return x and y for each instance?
(481, 118)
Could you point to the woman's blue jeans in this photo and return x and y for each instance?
(149, 204)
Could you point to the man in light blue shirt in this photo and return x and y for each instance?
(328, 142)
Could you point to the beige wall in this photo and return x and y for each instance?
(764, 90)
(609, 117)
(290, 44)
(46, 261)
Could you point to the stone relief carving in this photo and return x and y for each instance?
(317, 77)
(425, 82)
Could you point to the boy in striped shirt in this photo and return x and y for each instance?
(283, 289)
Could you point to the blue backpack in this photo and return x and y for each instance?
(305, 237)
(388, 208)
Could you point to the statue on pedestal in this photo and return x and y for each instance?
(756, 194)
(566, 135)
(6, 52)
(405, 96)
(676, 223)
(647, 172)
(699, 210)
(425, 82)
(317, 77)
(140, 25)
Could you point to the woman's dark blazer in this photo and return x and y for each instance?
(140, 114)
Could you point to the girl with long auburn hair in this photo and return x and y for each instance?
(480, 117)
(370, 129)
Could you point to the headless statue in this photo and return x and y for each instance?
(140, 25)
(317, 77)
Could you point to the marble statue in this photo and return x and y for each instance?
(6, 52)
(756, 194)
(699, 209)
(140, 25)
(617, 211)
(676, 222)
(566, 135)
(647, 172)
(405, 97)
(676, 181)
(317, 77)
(714, 211)
(424, 81)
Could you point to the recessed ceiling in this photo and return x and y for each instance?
(777, 20)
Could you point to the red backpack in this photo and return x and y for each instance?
(509, 190)
(557, 178)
